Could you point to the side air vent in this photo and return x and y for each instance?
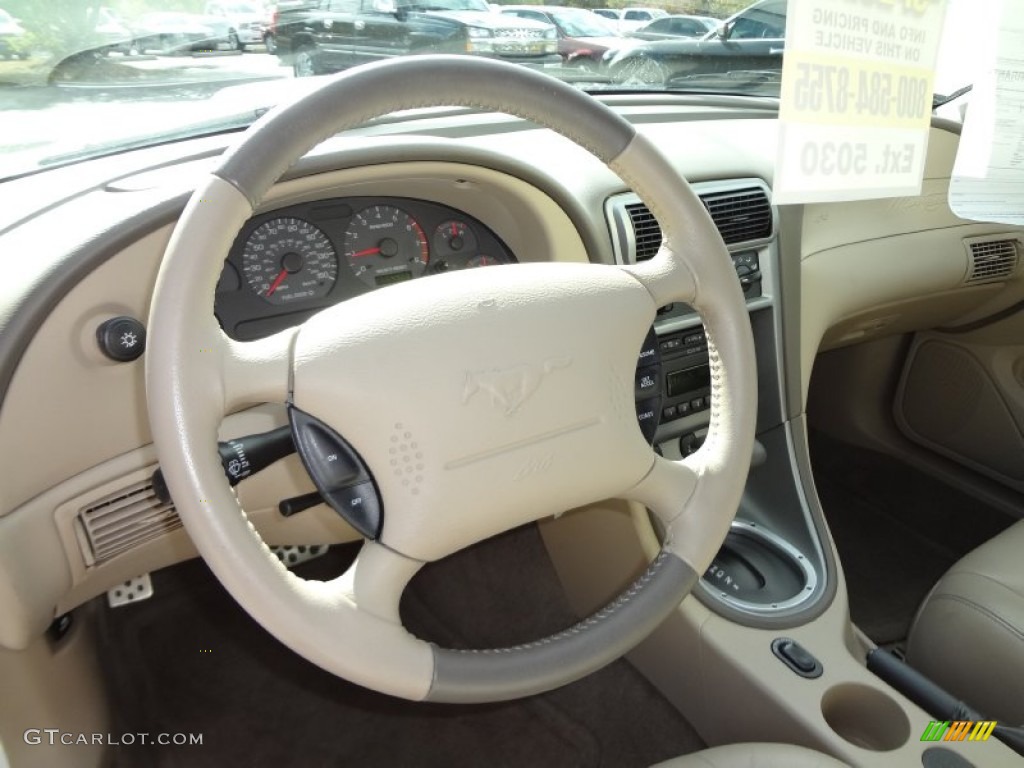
(116, 523)
(740, 209)
(991, 259)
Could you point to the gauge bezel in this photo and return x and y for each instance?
(245, 316)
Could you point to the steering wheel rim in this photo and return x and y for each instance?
(556, 316)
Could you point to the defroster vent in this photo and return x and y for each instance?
(116, 523)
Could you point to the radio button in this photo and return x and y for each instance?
(683, 409)
(697, 403)
(647, 384)
(669, 344)
(649, 351)
(669, 413)
(647, 417)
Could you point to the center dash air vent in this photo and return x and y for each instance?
(741, 211)
(991, 259)
(646, 231)
(116, 523)
(741, 215)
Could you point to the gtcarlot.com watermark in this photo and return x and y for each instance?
(55, 736)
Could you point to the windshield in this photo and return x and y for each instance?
(80, 79)
(439, 5)
(582, 24)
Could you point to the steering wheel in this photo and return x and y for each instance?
(452, 468)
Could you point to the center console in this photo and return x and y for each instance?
(772, 570)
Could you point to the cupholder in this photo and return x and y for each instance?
(865, 717)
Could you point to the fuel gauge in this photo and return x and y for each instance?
(453, 239)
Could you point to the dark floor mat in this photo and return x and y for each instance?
(191, 661)
(897, 530)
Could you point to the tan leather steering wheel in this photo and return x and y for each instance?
(349, 368)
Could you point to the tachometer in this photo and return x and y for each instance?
(288, 259)
(384, 244)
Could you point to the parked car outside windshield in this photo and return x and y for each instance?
(69, 92)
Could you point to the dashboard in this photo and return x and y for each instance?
(447, 190)
(404, 200)
(291, 262)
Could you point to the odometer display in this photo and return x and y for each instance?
(287, 259)
(394, 277)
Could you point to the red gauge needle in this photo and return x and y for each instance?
(277, 282)
(367, 252)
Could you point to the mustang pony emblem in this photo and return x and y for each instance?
(509, 388)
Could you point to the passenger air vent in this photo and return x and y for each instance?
(116, 523)
(991, 259)
(740, 209)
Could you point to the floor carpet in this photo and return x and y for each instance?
(897, 530)
(190, 661)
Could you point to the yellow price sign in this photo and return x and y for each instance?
(833, 90)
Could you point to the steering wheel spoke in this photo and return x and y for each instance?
(667, 277)
(256, 372)
(667, 489)
(376, 580)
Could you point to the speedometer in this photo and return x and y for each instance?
(288, 259)
(384, 244)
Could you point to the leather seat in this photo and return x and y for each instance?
(754, 756)
(969, 633)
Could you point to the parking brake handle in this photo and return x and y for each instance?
(242, 457)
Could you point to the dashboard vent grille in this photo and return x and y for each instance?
(991, 259)
(741, 215)
(646, 231)
(116, 523)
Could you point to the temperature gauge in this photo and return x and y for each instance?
(454, 239)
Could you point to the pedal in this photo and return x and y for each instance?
(300, 553)
(130, 591)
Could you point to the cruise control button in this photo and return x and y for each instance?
(359, 506)
(326, 455)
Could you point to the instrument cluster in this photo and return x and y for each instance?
(288, 264)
